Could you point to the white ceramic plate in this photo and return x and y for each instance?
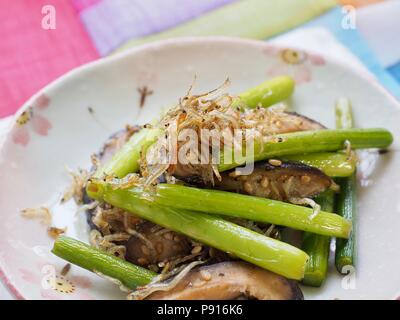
(70, 119)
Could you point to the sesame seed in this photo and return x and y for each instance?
(248, 187)
(197, 249)
(168, 236)
(305, 179)
(275, 162)
(205, 275)
(264, 182)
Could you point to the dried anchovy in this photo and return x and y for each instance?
(160, 284)
(54, 232)
(212, 111)
(41, 213)
(75, 190)
(307, 202)
(130, 180)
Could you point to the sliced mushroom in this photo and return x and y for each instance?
(154, 246)
(231, 280)
(272, 179)
(285, 122)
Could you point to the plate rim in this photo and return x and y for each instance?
(367, 76)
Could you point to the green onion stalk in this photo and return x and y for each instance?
(253, 208)
(290, 144)
(346, 199)
(212, 230)
(282, 145)
(267, 93)
(318, 246)
(333, 164)
(102, 263)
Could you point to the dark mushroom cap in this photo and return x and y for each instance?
(278, 181)
(115, 142)
(158, 247)
(231, 280)
(300, 123)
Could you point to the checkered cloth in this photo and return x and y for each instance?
(31, 57)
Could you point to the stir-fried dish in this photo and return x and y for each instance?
(224, 197)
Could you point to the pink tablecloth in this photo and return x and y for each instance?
(30, 57)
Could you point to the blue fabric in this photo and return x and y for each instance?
(395, 71)
(352, 39)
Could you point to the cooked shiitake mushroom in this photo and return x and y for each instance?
(115, 142)
(155, 246)
(285, 122)
(231, 280)
(273, 179)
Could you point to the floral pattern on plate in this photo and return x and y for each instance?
(32, 118)
(295, 63)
